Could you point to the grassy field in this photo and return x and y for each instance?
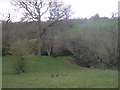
(41, 69)
(93, 26)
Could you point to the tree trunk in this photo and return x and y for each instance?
(52, 43)
(48, 52)
(39, 47)
(51, 52)
(38, 36)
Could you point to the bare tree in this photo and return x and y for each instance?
(114, 15)
(6, 25)
(6, 18)
(81, 51)
(50, 43)
(36, 10)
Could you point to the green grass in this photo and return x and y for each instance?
(94, 26)
(69, 76)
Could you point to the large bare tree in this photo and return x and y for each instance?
(36, 10)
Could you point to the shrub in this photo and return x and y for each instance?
(21, 50)
(81, 51)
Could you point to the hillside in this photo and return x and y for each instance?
(92, 26)
(41, 69)
(99, 35)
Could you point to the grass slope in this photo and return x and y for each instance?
(69, 76)
(94, 25)
(91, 27)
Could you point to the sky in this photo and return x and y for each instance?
(87, 8)
(80, 8)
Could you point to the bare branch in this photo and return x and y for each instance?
(45, 11)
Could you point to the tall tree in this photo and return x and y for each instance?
(36, 10)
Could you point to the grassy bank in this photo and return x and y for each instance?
(48, 72)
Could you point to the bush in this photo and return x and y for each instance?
(21, 50)
(65, 52)
(81, 51)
